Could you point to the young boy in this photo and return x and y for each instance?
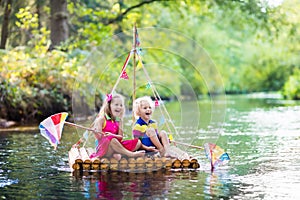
(145, 128)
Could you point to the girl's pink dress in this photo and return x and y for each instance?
(103, 143)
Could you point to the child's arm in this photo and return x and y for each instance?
(119, 135)
(98, 128)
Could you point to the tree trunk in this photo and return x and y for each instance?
(58, 23)
(4, 32)
(39, 10)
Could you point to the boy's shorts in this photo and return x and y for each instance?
(147, 142)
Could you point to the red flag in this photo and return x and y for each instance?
(124, 75)
(156, 103)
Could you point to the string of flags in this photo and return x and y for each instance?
(123, 73)
(156, 103)
(148, 86)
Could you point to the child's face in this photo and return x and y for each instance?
(116, 107)
(145, 111)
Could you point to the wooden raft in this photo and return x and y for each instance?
(79, 160)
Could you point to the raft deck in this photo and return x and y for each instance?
(79, 160)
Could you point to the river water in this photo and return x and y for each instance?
(260, 133)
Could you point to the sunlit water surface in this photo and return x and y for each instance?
(261, 135)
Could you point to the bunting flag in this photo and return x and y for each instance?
(51, 128)
(170, 136)
(161, 121)
(139, 65)
(216, 155)
(137, 39)
(148, 86)
(156, 103)
(139, 51)
(123, 72)
(124, 75)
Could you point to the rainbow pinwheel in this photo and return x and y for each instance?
(51, 128)
(216, 155)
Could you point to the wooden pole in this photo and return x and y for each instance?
(189, 145)
(82, 127)
(79, 126)
(134, 68)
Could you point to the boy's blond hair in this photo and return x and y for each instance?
(138, 103)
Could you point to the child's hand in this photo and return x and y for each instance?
(153, 149)
(150, 129)
(95, 130)
(108, 133)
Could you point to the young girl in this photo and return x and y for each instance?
(110, 140)
(145, 128)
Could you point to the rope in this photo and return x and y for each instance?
(112, 91)
(156, 95)
(153, 88)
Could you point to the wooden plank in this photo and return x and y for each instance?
(74, 158)
(79, 159)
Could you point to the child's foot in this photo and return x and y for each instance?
(117, 156)
(162, 152)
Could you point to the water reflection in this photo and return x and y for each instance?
(120, 185)
(162, 184)
(217, 184)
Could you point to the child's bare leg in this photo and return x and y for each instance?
(117, 147)
(117, 156)
(154, 139)
(109, 152)
(164, 138)
(138, 145)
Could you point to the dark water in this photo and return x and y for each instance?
(260, 133)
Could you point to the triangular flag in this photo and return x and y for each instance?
(162, 121)
(156, 103)
(139, 65)
(137, 39)
(124, 75)
(148, 85)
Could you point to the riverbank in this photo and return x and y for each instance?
(28, 128)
